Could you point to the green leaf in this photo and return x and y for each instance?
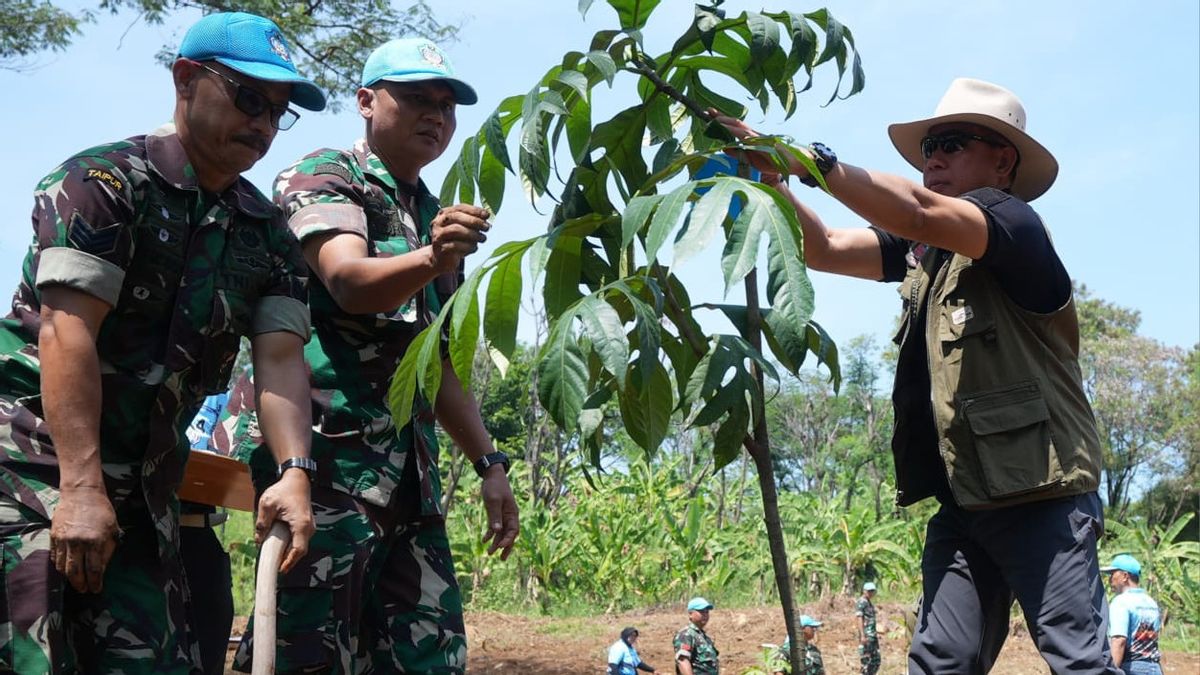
(579, 129)
(450, 185)
(646, 402)
(822, 345)
(788, 287)
(493, 137)
(834, 37)
(603, 326)
(584, 6)
(727, 441)
(603, 63)
(574, 81)
(468, 170)
(667, 153)
(636, 212)
(464, 327)
(491, 181)
(503, 306)
(658, 119)
(706, 218)
(666, 218)
(633, 14)
(562, 274)
(788, 342)
(621, 138)
(742, 242)
(562, 375)
(708, 98)
(764, 36)
(403, 389)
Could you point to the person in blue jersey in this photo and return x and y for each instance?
(623, 657)
(1134, 619)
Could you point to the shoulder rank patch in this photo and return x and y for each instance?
(333, 169)
(105, 177)
(97, 241)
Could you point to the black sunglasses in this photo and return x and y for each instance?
(255, 103)
(953, 142)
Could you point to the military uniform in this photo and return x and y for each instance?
(868, 655)
(694, 645)
(812, 659)
(376, 494)
(187, 274)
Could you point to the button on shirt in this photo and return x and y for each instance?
(1135, 616)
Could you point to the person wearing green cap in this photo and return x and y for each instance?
(695, 653)
(385, 256)
(1134, 619)
(868, 637)
(813, 665)
(151, 259)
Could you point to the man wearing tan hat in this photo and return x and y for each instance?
(991, 417)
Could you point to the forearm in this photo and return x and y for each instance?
(283, 395)
(458, 413)
(71, 398)
(683, 666)
(1117, 645)
(370, 285)
(852, 252)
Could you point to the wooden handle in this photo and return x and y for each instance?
(264, 598)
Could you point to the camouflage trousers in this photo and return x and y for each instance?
(376, 593)
(868, 656)
(48, 627)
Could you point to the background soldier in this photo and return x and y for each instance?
(813, 665)
(868, 638)
(384, 258)
(695, 653)
(151, 259)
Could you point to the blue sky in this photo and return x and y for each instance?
(1113, 90)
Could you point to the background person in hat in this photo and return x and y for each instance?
(377, 591)
(991, 416)
(813, 665)
(1134, 619)
(868, 637)
(623, 657)
(695, 653)
(151, 259)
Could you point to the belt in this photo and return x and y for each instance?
(202, 519)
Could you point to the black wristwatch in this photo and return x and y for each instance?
(824, 158)
(481, 465)
(308, 464)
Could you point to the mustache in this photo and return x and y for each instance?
(256, 141)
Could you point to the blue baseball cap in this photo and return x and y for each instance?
(1125, 563)
(807, 621)
(869, 586)
(254, 47)
(698, 604)
(415, 60)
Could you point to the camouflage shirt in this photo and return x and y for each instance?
(694, 645)
(352, 357)
(863, 608)
(187, 274)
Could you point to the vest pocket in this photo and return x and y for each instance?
(1011, 429)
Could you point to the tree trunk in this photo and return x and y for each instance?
(759, 447)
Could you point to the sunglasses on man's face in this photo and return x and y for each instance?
(255, 103)
(952, 142)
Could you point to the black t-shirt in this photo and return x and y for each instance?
(1021, 256)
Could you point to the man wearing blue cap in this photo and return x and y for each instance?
(384, 257)
(813, 664)
(695, 653)
(868, 636)
(1134, 619)
(151, 259)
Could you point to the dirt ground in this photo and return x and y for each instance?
(502, 644)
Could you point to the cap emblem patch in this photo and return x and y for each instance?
(432, 56)
(278, 46)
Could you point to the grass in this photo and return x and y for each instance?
(237, 536)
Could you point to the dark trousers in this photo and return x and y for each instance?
(210, 583)
(1043, 555)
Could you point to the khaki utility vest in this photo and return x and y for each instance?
(1013, 423)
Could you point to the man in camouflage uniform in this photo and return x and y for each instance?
(151, 258)
(868, 637)
(377, 591)
(695, 653)
(813, 665)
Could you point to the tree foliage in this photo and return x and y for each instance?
(331, 38)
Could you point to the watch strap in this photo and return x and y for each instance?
(483, 463)
(308, 464)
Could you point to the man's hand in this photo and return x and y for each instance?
(503, 520)
(83, 536)
(457, 231)
(758, 160)
(290, 501)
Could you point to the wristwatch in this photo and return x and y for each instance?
(308, 464)
(824, 158)
(481, 465)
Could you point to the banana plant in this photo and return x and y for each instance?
(623, 328)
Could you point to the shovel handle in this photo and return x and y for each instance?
(265, 585)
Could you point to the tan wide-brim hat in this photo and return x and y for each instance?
(990, 106)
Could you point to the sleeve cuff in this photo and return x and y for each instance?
(329, 217)
(80, 271)
(281, 313)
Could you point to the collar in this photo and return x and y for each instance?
(166, 157)
(1134, 589)
(372, 165)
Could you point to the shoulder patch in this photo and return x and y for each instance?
(97, 241)
(333, 169)
(105, 177)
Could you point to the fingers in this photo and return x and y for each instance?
(299, 546)
(263, 519)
